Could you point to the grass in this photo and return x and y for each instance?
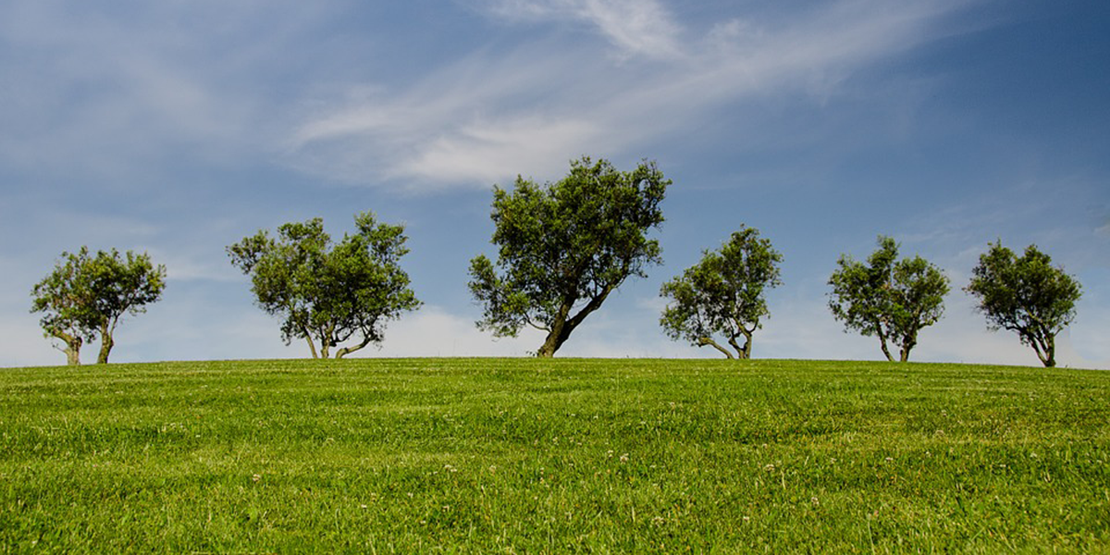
(532, 456)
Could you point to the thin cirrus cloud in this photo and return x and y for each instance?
(107, 90)
(635, 27)
(490, 115)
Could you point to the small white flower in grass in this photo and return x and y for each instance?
(769, 468)
(624, 458)
(889, 459)
(362, 506)
(256, 477)
(747, 518)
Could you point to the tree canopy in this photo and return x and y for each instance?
(1026, 295)
(893, 299)
(723, 294)
(565, 246)
(329, 293)
(87, 296)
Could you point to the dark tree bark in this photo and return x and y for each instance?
(562, 327)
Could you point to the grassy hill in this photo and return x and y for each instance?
(524, 455)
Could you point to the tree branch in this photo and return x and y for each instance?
(704, 341)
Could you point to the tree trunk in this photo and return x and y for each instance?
(560, 331)
(73, 354)
(1049, 358)
(555, 339)
(106, 344)
(311, 345)
(908, 343)
(745, 352)
(907, 346)
(73, 347)
(562, 326)
(883, 342)
(1044, 347)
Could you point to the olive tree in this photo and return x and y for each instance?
(893, 299)
(723, 294)
(329, 293)
(86, 296)
(564, 247)
(1026, 295)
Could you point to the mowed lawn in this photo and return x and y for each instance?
(553, 456)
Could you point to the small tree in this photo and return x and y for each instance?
(86, 297)
(1026, 295)
(724, 293)
(327, 294)
(893, 299)
(564, 247)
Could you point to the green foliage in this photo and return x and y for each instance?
(553, 456)
(329, 293)
(86, 296)
(564, 247)
(1026, 295)
(893, 299)
(724, 293)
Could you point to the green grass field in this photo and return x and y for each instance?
(553, 456)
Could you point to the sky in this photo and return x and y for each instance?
(179, 127)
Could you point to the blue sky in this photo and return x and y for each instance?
(179, 127)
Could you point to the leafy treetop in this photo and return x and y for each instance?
(326, 293)
(564, 247)
(724, 293)
(893, 299)
(1026, 295)
(86, 296)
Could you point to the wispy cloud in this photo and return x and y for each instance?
(491, 115)
(109, 90)
(635, 27)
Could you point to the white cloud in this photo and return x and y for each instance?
(492, 115)
(113, 91)
(636, 27)
(432, 331)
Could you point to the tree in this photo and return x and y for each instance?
(86, 297)
(329, 294)
(893, 299)
(1026, 295)
(564, 247)
(724, 293)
